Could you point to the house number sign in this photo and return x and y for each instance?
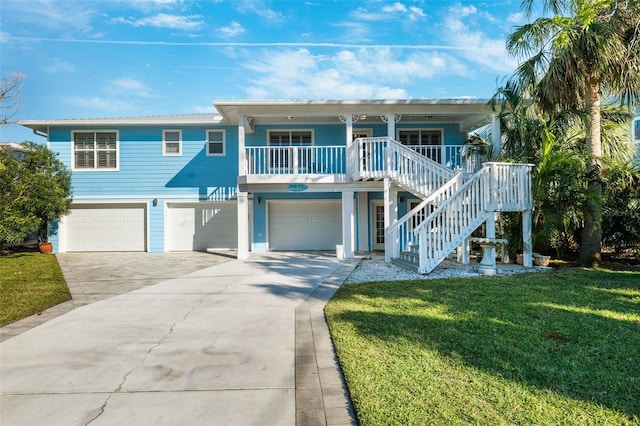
(297, 187)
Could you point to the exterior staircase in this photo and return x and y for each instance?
(454, 204)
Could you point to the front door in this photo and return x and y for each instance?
(377, 225)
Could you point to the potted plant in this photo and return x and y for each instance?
(44, 245)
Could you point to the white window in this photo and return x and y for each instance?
(172, 142)
(95, 150)
(636, 130)
(424, 141)
(216, 143)
(282, 143)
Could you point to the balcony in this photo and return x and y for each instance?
(328, 164)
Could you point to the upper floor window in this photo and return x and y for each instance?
(216, 143)
(290, 137)
(171, 142)
(636, 130)
(95, 150)
(423, 141)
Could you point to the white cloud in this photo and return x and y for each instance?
(232, 30)
(164, 20)
(57, 65)
(100, 105)
(130, 87)
(361, 73)
(65, 16)
(464, 27)
(259, 8)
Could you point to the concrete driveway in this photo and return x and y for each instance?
(228, 344)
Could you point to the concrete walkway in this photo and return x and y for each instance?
(224, 345)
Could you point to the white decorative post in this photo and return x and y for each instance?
(348, 224)
(527, 258)
(243, 226)
(390, 215)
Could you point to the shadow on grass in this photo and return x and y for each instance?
(575, 333)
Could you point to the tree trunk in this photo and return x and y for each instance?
(591, 245)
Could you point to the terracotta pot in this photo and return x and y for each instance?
(45, 247)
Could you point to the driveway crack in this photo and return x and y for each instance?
(118, 389)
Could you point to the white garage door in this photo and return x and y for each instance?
(305, 225)
(201, 226)
(106, 227)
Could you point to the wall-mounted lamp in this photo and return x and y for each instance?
(155, 202)
(259, 200)
(402, 199)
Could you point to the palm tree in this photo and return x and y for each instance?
(587, 51)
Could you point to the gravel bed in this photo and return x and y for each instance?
(375, 269)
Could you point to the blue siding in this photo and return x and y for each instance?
(143, 170)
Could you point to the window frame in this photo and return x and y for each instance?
(164, 143)
(420, 130)
(635, 130)
(280, 159)
(223, 142)
(95, 167)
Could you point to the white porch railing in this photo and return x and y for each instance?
(445, 219)
(287, 160)
(379, 158)
(366, 159)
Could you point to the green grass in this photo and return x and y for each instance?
(539, 348)
(29, 283)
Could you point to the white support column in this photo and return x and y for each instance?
(243, 226)
(490, 227)
(464, 252)
(527, 251)
(496, 138)
(242, 154)
(348, 224)
(390, 215)
(363, 221)
(348, 121)
(391, 126)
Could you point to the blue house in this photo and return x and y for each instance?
(391, 175)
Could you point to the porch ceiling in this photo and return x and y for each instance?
(467, 113)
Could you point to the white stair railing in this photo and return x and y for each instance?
(381, 157)
(445, 219)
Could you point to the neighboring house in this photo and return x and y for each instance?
(285, 175)
(14, 149)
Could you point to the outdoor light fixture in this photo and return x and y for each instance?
(259, 200)
(155, 202)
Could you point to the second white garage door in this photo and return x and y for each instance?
(201, 226)
(305, 225)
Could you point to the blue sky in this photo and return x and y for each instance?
(95, 58)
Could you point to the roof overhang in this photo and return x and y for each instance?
(467, 113)
(164, 120)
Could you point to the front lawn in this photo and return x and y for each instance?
(537, 348)
(29, 283)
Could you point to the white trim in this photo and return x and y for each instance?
(224, 143)
(635, 130)
(95, 168)
(145, 197)
(363, 222)
(164, 143)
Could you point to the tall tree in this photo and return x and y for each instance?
(588, 50)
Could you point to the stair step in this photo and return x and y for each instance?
(410, 256)
(410, 266)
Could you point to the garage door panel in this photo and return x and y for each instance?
(106, 227)
(202, 226)
(305, 225)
